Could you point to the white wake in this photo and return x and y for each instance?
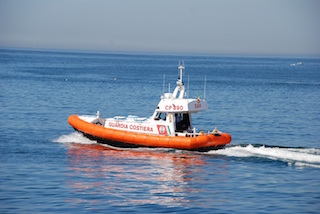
(301, 157)
(74, 137)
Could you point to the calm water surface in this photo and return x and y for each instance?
(270, 108)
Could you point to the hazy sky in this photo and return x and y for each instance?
(280, 27)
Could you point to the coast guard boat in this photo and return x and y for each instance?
(170, 126)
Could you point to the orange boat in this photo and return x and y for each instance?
(169, 127)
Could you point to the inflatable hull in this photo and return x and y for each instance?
(126, 139)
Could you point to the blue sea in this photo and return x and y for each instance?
(269, 105)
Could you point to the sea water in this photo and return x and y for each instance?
(269, 105)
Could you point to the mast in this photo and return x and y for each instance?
(179, 90)
(181, 68)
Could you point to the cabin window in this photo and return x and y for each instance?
(182, 122)
(161, 116)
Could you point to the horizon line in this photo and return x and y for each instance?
(141, 52)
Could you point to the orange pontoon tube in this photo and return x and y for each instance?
(133, 139)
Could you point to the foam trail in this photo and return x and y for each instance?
(74, 137)
(302, 157)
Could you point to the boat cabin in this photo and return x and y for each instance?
(174, 110)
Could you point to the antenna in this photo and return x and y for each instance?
(188, 88)
(164, 82)
(205, 85)
(184, 68)
(169, 87)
